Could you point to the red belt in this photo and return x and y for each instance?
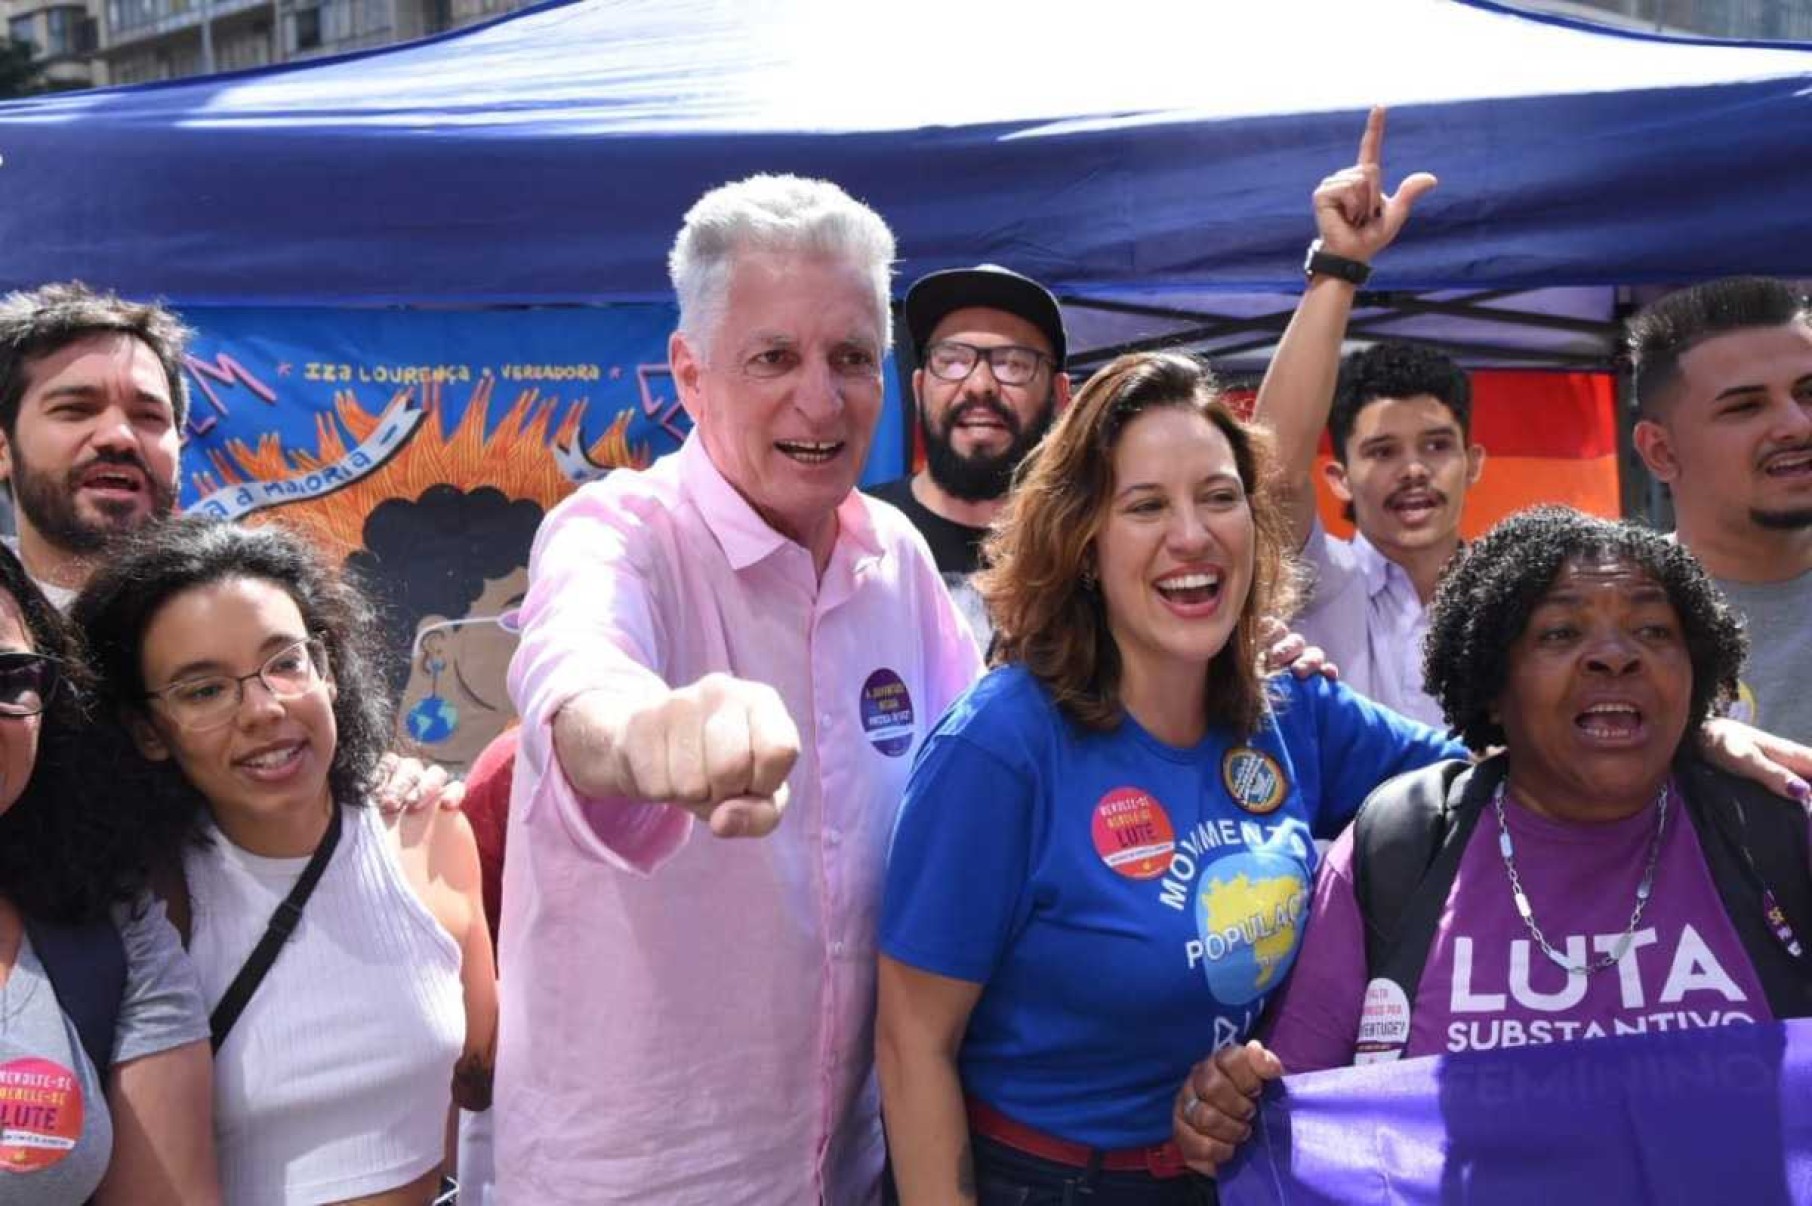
(1161, 1160)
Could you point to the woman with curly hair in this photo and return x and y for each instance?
(1595, 877)
(1105, 849)
(343, 953)
(103, 1055)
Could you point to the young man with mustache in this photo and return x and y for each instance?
(1403, 460)
(990, 347)
(1724, 402)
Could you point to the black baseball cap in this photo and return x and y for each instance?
(990, 287)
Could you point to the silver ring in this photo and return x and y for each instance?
(1189, 1104)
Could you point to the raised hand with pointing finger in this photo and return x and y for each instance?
(1397, 417)
(1354, 217)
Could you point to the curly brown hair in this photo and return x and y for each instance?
(117, 607)
(1044, 614)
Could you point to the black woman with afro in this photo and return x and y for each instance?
(1591, 875)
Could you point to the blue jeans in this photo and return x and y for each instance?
(1005, 1176)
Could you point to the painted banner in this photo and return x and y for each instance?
(422, 448)
(1689, 1116)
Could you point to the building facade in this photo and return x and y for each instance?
(64, 36)
(163, 39)
(1768, 20)
(83, 42)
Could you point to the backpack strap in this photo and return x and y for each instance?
(1408, 839)
(1401, 829)
(1756, 847)
(86, 965)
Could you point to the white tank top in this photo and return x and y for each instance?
(336, 1080)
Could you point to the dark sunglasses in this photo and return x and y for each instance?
(27, 683)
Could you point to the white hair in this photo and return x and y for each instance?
(787, 214)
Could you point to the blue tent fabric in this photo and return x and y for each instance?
(1121, 152)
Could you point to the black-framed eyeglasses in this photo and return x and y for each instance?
(1011, 364)
(212, 700)
(28, 682)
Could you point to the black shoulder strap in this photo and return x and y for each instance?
(86, 964)
(282, 925)
(1407, 843)
(1756, 848)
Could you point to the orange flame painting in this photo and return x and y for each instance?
(519, 457)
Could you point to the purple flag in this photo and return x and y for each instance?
(1695, 1116)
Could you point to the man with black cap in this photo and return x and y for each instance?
(990, 347)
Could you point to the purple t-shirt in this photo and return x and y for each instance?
(1488, 985)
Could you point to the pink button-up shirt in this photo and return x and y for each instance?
(688, 1019)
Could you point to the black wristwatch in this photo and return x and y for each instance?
(1326, 263)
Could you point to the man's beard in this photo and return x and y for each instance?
(985, 476)
(50, 505)
(1782, 521)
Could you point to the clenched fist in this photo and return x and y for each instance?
(720, 748)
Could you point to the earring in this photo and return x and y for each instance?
(435, 718)
(1089, 581)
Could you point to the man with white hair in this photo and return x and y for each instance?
(730, 633)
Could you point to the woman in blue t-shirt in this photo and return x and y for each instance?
(1103, 859)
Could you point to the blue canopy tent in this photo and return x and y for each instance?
(430, 280)
(547, 157)
(1150, 160)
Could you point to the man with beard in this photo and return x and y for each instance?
(1400, 421)
(990, 347)
(92, 400)
(1724, 400)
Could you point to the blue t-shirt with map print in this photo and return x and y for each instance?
(1129, 906)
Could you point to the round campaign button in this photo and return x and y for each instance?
(1132, 833)
(40, 1114)
(886, 708)
(1254, 779)
(1383, 1023)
